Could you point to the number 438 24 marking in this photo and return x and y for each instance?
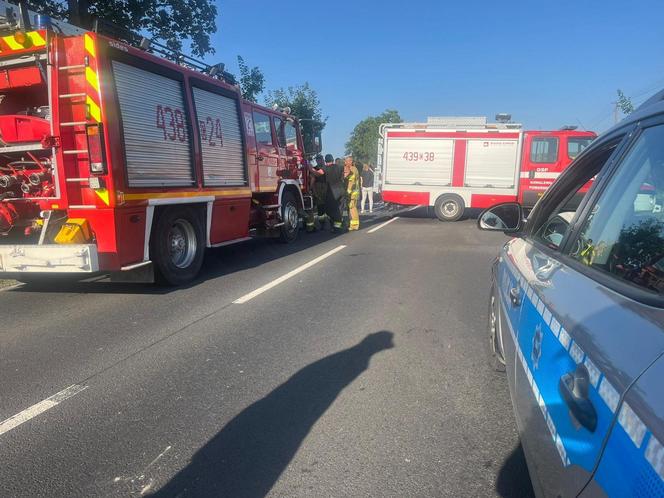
(418, 156)
(171, 122)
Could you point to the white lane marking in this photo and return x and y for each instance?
(158, 457)
(383, 224)
(283, 278)
(41, 407)
(11, 287)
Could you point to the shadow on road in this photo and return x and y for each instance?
(427, 212)
(247, 457)
(513, 479)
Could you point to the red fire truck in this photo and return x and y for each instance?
(113, 159)
(457, 163)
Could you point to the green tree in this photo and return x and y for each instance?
(363, 141)
(252, 80)
(169, 21)
(624, 103)
(304, 105)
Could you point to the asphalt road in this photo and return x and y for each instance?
(364, 374)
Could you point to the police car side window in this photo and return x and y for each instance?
(624, 233)
(554, 229)
(557, 223)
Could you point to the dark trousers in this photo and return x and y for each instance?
(332, 206)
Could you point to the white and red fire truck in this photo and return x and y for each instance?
(464, 162)
(113, 159)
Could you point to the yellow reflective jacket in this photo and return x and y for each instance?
(353, 181)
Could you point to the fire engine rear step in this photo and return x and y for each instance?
(21, 61)
(49, 258)
(21, 148)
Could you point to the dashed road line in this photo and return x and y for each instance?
(376, 228)
(39, 408)
(283, 278)
(11, 287)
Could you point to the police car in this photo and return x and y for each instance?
(576, 317)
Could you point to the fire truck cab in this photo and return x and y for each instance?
(545, 155)
(113, 159)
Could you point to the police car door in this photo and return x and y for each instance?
(625, 243)
(579, 343)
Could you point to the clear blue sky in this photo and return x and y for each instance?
(548, 63)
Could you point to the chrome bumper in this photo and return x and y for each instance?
(49, 258)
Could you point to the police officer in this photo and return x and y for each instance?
(319, 192)
(334, 176)
(352, 192)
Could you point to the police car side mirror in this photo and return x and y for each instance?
(506, 217)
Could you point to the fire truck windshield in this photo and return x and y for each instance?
(576, 145)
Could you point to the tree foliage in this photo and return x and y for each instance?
(624, 103)
(639, 245)
(252, 80)
(305, 105)
(169, 21)
(363, 141)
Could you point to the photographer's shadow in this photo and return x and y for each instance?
(247, 457)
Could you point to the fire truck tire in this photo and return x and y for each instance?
(177, 246)
(449, 207)
(290, 217)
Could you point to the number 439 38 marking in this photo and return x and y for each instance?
(418, 156)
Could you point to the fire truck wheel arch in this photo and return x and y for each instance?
(294, 187)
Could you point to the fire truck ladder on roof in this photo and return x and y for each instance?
(13, 17)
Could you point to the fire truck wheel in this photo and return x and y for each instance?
(290, 217)
(177, 245)
(449, 207)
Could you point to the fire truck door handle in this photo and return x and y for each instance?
(260, 158)
(134, 218)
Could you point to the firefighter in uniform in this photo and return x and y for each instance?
(334, 176)
(319, 192)
(352, 192)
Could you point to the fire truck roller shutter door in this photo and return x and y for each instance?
(221, 139)
(419, 161)
(491, 162)
(155, 127)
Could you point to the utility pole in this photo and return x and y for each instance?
(615, 112)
